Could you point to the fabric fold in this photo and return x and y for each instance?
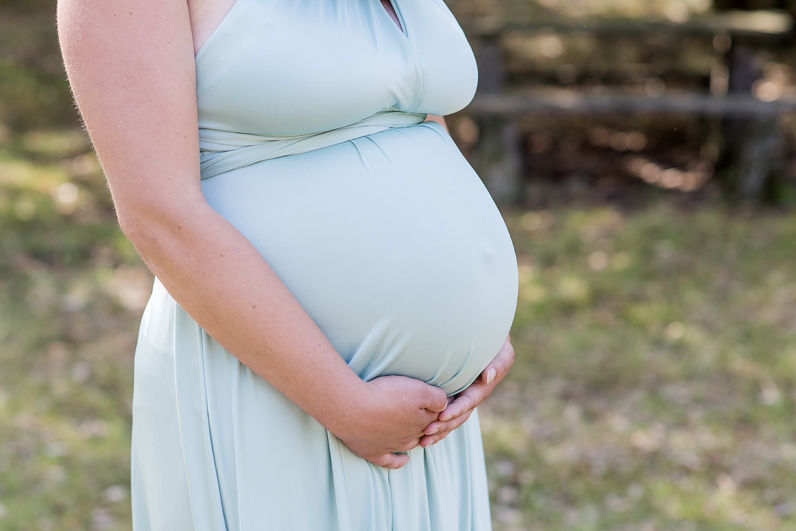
(223, 151)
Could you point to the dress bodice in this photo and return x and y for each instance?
(304, 66)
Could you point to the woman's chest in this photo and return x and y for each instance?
(301, 66)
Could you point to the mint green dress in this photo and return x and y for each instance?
(314, 145)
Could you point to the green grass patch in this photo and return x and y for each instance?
(71, 294)
(654, 383)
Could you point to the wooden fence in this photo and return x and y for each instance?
(751, 137)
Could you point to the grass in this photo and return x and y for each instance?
(654, 386)
(71, 291)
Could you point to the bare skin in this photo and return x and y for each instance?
(131, 68)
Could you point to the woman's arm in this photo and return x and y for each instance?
(131, 67)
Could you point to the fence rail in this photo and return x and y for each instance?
(571, 102)
(756, 24)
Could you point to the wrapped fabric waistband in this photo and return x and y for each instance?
(223, 151)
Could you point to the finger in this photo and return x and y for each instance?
(446, 430)
(489, 373)
(466, 401)
(448, 427)
(435, 400)
(390, 460)
(499, 366)
(434, 425)
(408, 446)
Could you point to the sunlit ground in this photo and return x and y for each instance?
(654, 386)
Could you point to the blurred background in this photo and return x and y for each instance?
(643, 153)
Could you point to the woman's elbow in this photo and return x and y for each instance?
(150, 224)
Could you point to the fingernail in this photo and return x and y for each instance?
(444, 418)
(432, 432)
(490, 375)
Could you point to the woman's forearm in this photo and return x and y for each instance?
(221, 280)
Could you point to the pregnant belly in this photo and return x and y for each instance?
(391, 244)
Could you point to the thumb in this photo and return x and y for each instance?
(435, 400)
(390, 460)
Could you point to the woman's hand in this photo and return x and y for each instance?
(460, 406)
(392, 415)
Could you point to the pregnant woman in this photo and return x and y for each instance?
(329, 267)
